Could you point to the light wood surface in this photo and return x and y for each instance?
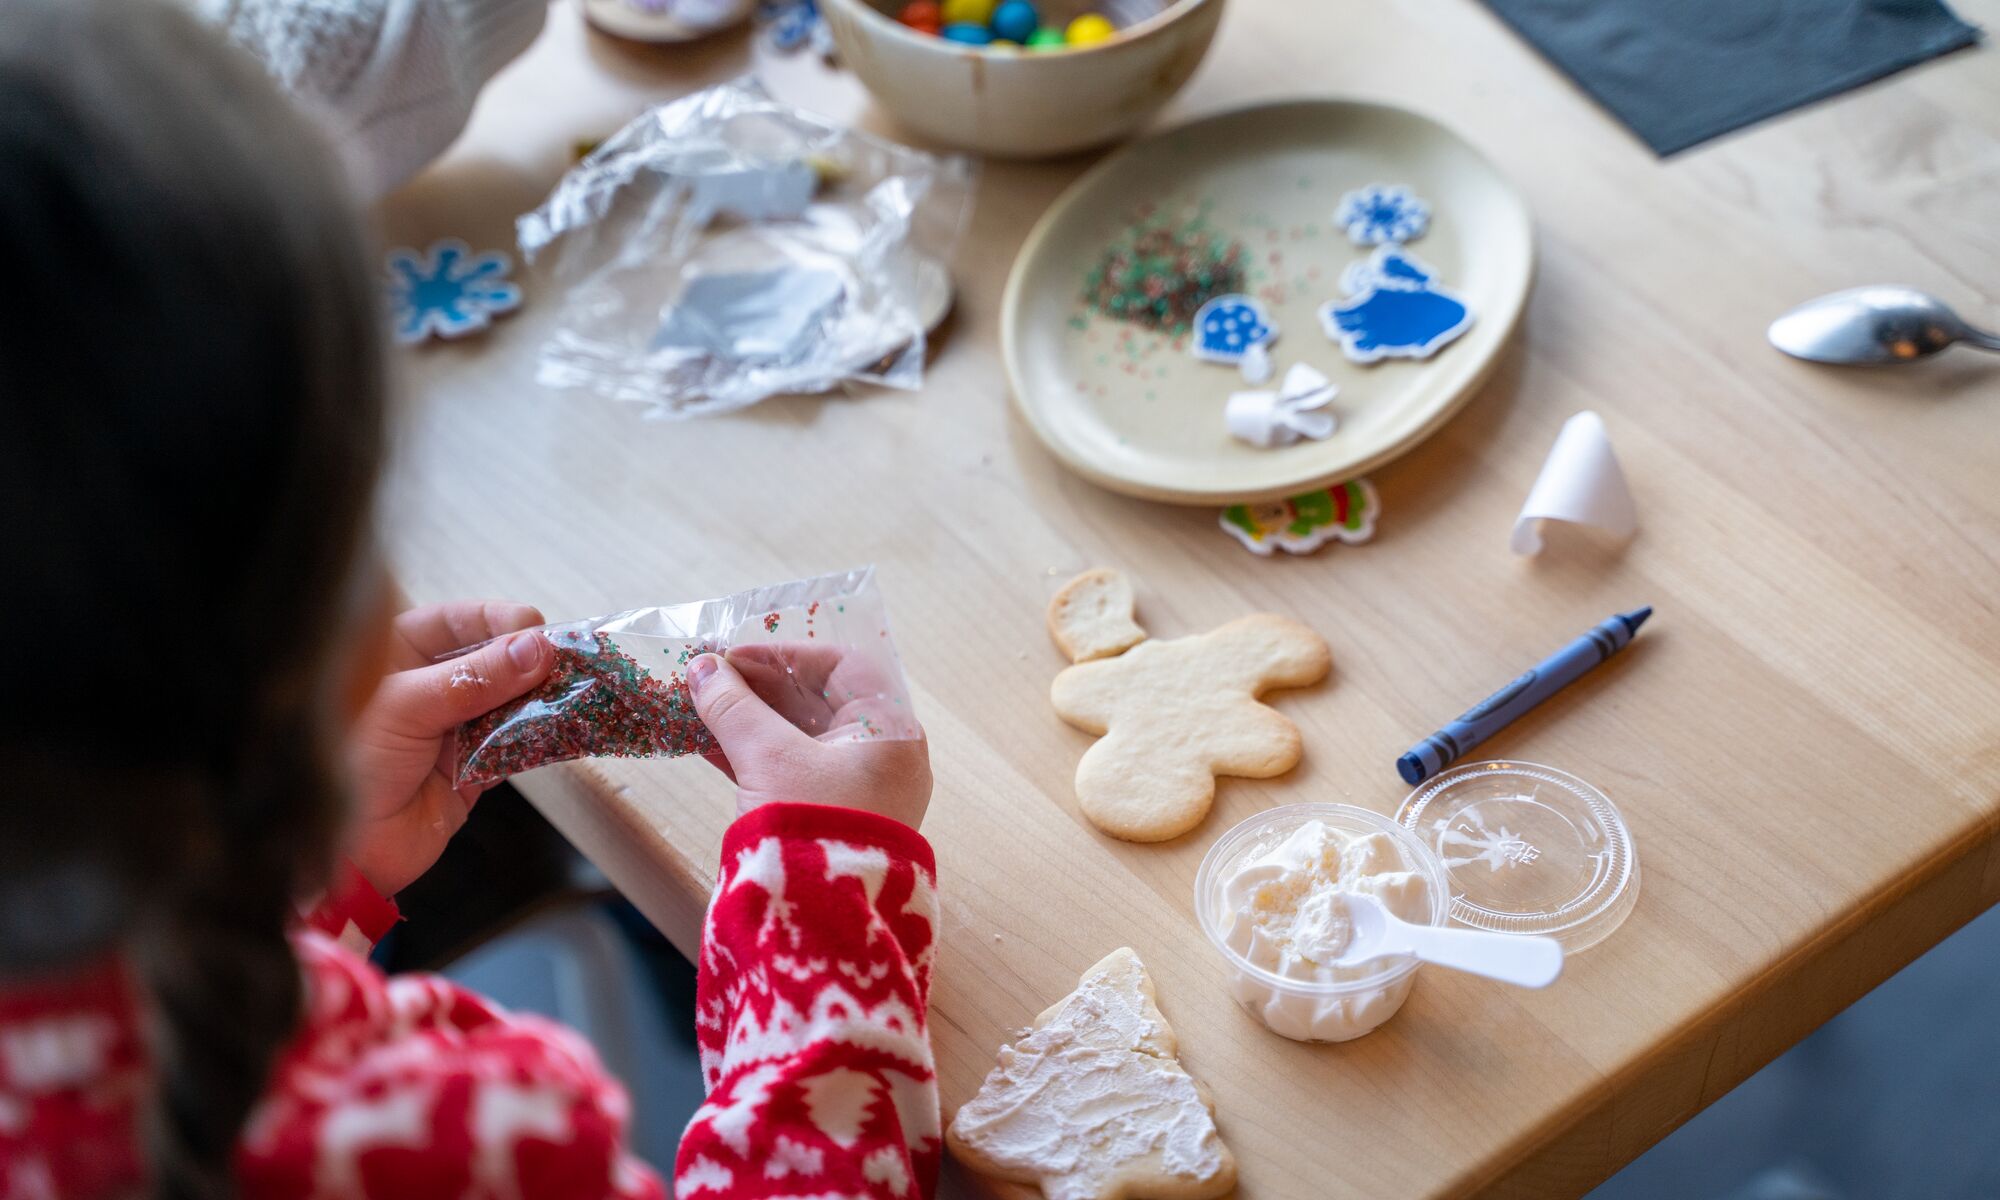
(1805, 741)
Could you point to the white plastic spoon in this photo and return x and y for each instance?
(1511, 958)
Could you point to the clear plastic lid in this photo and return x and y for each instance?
(1528, 849)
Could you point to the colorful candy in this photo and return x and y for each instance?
(967, 12)
(967, 33)
(1015, 21)
(1002, 24)
(924, 16)
(1090, 29)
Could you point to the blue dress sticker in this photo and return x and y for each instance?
(448, 291)
(1394, 309)
(1235, 329)
(1382, 214)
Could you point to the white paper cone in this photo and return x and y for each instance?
(1581, 483)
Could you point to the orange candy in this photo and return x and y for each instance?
(923, 16)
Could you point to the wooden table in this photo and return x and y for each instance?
(1806, 741)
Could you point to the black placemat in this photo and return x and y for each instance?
(1680, 72)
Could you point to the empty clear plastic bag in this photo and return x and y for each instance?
(727, 247)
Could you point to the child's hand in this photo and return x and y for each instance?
(782, 739)
(401, 752)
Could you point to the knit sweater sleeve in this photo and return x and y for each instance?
(392, 81)
(411, 1088)
(352, 912)
(814, 979)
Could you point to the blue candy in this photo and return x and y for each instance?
(1016, 20)
(969, 34)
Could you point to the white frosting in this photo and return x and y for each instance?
(1287, 913)
(1092, 1092)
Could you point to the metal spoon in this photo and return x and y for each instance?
(1511, 958)
(1879, 324)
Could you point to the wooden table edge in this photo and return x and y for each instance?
(665, 883)
(1627, 1112)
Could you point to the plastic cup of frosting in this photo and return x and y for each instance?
(1270, 896)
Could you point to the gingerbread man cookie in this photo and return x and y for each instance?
(1173, 715)
(1092, 1103)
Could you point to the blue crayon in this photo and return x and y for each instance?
(1499, 710)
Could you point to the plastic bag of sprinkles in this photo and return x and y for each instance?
(817, 650)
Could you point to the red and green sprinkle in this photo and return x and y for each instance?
(1159, 272)
(598, 702)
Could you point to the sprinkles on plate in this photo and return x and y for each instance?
(1159, 275)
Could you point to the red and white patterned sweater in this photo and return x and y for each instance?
(814, 976)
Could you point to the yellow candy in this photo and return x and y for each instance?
(971, 12)
(1090, 29)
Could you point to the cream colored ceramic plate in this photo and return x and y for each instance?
(1133, 410)
(705, 18)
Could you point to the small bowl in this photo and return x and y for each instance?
(1022, 103)
(1308, 1010)
(623, 19)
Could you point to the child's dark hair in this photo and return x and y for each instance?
(191, 371)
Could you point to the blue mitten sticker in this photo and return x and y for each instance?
(1235, 329)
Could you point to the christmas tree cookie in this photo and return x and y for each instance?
(1093, 1104)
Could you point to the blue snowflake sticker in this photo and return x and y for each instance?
(792, 24)
(448, 291)
(1382, 214)
(1395, 309)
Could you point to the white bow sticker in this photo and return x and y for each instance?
(1296, 410)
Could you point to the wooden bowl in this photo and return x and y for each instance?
(1019, 103)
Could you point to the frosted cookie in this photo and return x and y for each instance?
(1175, 714)
(1091, 617)
(1092, 1104)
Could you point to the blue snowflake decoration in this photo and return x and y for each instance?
(448, 291)
(1395, 309)
(791, 24)
(1382, 214)
(1229, 327)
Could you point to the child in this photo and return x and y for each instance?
(391, 81)
(212, 714)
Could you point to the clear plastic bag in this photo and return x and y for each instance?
(727, 247)
(817, 650)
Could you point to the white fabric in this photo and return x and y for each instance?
(393, 81)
